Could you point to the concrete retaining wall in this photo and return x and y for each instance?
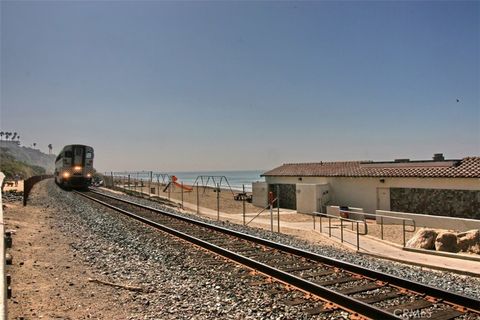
(429, 221)
(335, 210)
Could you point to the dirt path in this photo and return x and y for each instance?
(48, 280)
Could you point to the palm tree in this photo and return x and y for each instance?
(34, 145)
(14, 136)
(1, 135)
(50, 147)
(18, 138)
(7, 135)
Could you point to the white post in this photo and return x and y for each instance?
(3, 279)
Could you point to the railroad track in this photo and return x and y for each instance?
(362, 292)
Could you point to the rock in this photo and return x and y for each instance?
(469, 241)
(446, 241)
(475, 249)
(423, 239)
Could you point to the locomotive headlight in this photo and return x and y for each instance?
(66, 174)
(89, 175)
(77, 168)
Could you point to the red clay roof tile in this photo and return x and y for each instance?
(466, 168)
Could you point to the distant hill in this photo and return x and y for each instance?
(30, 157)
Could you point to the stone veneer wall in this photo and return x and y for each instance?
(288, 195)
(442, 202)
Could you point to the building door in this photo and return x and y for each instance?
(288, 195)
(383, 198)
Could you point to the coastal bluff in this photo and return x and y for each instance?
(29, 155)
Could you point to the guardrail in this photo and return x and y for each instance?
(28, 185)
(342, 219)
(404, 230)
(364, 216)
(367, 215)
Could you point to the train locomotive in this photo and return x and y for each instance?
(74, 166)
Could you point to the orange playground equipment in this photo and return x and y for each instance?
(173, 181)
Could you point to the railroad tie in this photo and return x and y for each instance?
(380, 297)
(445, 314)
(294, 302)
(418, 304)
(367, 287)
(335, 281)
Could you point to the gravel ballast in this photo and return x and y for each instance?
(152, 275)
(462, 284)
(178, 281)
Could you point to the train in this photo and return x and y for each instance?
(74, 166)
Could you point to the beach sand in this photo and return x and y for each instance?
(207, 197)
(232, 210)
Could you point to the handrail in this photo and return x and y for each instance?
(379, 215)
(330, 217)
(337, 217)
(404, 229)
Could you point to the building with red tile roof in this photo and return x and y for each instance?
(440, 186)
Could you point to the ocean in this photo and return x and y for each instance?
(233, 178)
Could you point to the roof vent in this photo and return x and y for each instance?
(438, 157)
(402, 160)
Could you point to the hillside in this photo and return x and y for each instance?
(10, 166)
(28, 156)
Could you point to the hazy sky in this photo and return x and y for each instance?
(174, 86)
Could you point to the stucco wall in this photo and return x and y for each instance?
(362, 192)
(260, 194)
(311, 197)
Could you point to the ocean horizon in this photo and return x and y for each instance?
(234, 179)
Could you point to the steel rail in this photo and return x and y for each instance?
(446, 296)
(335, 297)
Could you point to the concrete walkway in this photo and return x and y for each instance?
(368, 245)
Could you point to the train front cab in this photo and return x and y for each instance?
(74, 166)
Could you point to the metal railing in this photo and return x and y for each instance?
(404, 220)
(369, 215)
(342, 220)
(135, 182)
(404, 229)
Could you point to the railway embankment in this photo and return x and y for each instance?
(74, 259)
(463, 284)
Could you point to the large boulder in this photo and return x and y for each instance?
(446, 241)
(423, 239)
(469, 241)
(475, 249)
